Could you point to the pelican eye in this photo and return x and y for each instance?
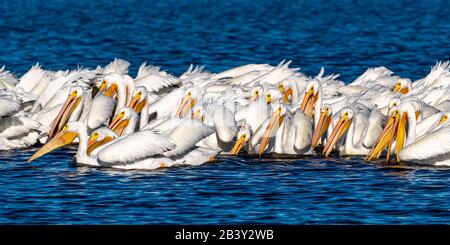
(244, 136)
(65, 127)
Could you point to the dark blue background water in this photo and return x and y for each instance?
(345, 37)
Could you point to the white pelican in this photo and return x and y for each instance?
(403, 86)
(19, 132)
(286, 133)
(100, 137)
(414, 141)
(191, 96)
(140, 150)
(70, 110)
(139, 103)
(256, 113)
(312, 100)
(273, 96)
(221, 119)
(125, 122)
(290, 92)
(7, 79)
(184, 98)
(361, 128)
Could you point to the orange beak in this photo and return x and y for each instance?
(386, 138)
(274, 123)
(308, 102)
(64, 114)
(322, 126)
(187, 103)
(238, 146)
(61, 139)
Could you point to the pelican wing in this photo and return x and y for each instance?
(303, 132)
(134, 147)
(186, 135)
(224, 123)
(153, 79)
(434, 145)
(7, 79)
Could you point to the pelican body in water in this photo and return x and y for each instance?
(140, 150)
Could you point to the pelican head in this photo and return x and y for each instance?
(99, 137)
(344, 122)
(122, 120)
(198, 113)
(256, 92)
(73, 100)
(103, 86)
(112, 83)
(444, 119)
(190, 98)
(286, 89)
(310, 98)
(66, 136)
(139, 99)
(273, 96)
(275, 121)
(393, 102)
(403, 86)
(322, 125)
(408, 112)
(243, 137)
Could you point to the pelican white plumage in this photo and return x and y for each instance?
(286, 133)
(9, 103)
(18, 132)
(140, 150)
(361, 128)
(7, 79)
(423, 143)
(153, 79)
(125, 122)
(256, 113)
(240, 97)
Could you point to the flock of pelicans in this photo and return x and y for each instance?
(157, 120)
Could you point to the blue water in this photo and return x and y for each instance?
(345, 37)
